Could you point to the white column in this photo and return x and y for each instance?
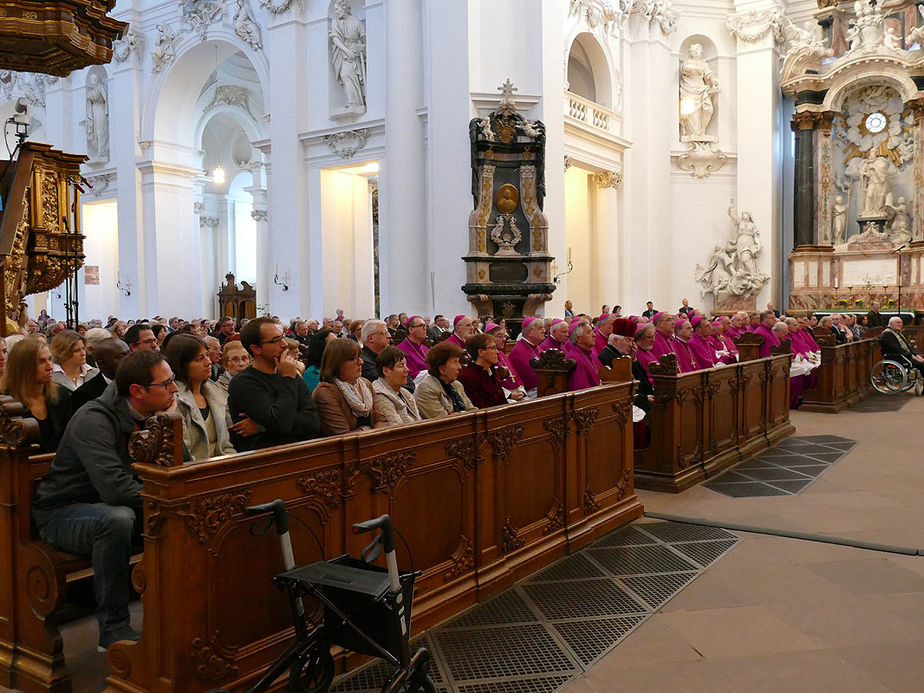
(125, 81)
(605, 272)
(403, 179)
(759, 151)
(288, 239)
(448, 164)
(175, 249)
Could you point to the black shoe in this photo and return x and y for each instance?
(113, 636)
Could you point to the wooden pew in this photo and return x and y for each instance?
(706, 421)
(484, 498)
(843, 376)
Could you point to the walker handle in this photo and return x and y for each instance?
(383, 523)
(278, 509)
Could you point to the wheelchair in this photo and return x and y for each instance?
(893, 375)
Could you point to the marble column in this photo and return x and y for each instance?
(803, 124)
(917, 223)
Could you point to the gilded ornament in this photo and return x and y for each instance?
(508, 198)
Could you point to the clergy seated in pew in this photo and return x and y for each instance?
(683, 332)
(724, 348)
(622, 344)
(582, 348)
(89, 502)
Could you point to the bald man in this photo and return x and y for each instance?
(896, 347)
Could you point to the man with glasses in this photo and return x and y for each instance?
(414, 347)
(375, 339)
(480, 378)
(89, 503)
(270, 391)
(140, 337)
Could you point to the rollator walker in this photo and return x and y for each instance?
(367, 610)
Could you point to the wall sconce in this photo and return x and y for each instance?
(125, 288)
(283, 281)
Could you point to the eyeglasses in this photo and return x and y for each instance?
(165, 385)
(274, 340)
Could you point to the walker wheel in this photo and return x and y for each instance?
(312, 671)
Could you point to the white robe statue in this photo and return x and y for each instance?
(698, 85)
(97, 119)
(348, 54)
(874, 182)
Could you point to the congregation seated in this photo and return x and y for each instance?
(69, 358)
(664, 324)
(602, 330)
(316, 345)
(765, 330)
(269, 403)
(526, 348)
(109, 353)
(89, 503)
(724, 348)
(462, 329)
(202, 404)
(622, 343)
(481, 378)
(440, 393)
(414, 345)
(736, 325)
(234, 359)
(558, 336)
(140, 336)
(644, 341)
(343, 397)
(896, 346)
(393, 403)
(28, 379)
(582, 348)
(374, 340)
(295, 352)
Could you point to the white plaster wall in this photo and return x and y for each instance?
(101, 247)
(580, 220)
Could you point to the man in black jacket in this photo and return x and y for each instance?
(269, 402)
(89, 503)
(109, 354)
(896, 347)
(375, 338)
(874, 318)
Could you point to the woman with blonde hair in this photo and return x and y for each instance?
(345, 399)
(27, 379)
(69, 355)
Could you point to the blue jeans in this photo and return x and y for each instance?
(104, 532)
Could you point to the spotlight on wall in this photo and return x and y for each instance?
(218, 175)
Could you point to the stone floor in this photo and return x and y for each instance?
(774, 614)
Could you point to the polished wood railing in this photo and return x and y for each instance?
(483, 499)
(706, 421)
(843, 378)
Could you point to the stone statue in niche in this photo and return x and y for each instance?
(875, 184)
(839, 221)
(348, 55)
(899, 225)
(698, 86)
(246, 26)
(97, 118)
(732, 268)
(165, 51)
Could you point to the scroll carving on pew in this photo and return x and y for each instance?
(705, 421)
(515, 486)
(552, 367)
(784, 347)
(824, 336)
(14, 429)
(160, 443)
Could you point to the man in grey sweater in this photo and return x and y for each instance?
(89, 503)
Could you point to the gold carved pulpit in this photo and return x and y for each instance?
(40, 241)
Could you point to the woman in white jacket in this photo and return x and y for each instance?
(393, 404)
(200, 402)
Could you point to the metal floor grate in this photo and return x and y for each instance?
(656, 590)
(784, 469)
(540, 634)
(640, 560)
(584, 599)
(503, 651)
(589, 640)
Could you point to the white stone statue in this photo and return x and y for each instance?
(97, 118)
(164, 52)
(898, 227)
(807, 38)
(875, 184)
(348, 54)
(732, 268)
(839, 221)
(698, 85)
(246, 26)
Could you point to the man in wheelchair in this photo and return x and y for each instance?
(896, 347)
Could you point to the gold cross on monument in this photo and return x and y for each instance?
(507, 90)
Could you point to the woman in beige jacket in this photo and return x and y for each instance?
(440, 394)
(393, 404)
